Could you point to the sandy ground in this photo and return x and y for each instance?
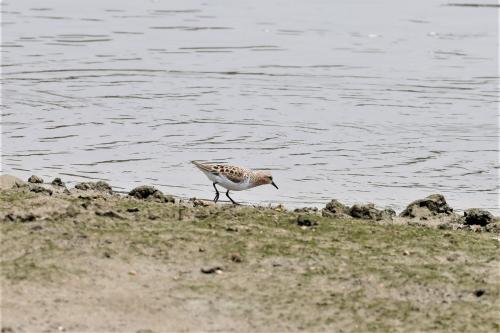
(88, 261)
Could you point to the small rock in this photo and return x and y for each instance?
(307, 210)
(306, 221)
(479, 292)
(7, 329)
(132, 272)
(132, 210)
(231, 229)
(335, 209)
(235, 257)
(200, 203)
(388, 213)
(37, 228)
(100, 186)
(478, 216)
(367, 212)
(432, 205)
(109, 213)
(150, 193)
(40, 189)
(212, 270)
(35, 179)
(26, 217)
(58, 182)
(201, 249)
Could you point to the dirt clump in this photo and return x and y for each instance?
(40, 189)
(307, 210)
(478, 216)
(35, 180)
(100, 186)
(335, 209)
(366, 212)
(147, 192)
(58, 182)
(306, 221)
(431, 206)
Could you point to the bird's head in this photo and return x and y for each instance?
(264, 177)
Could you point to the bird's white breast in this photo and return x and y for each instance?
(228, 184)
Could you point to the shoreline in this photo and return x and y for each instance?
(385, 199)
(432, 211)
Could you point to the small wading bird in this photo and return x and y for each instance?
(234, 178)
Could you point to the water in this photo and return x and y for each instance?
(381, 101)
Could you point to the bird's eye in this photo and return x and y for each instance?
(270, 178)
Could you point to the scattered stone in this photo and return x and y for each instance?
(335, 209)
(201, 203)
(231, 229)
(150, 193)
(109, 213)
(7, 329)
(86, 204)
(201, 249)
(235, 257)
(58, 182)
(28, 217)
(7, 182)
(479, 292)
(478, 216)
(306, 221)
(37, 228)
(307, 210)
(133, 210)
(366, 211)
(100, 186)
(40, 189)
(388, 213)
(132, 272)
(212, 270)
(35, 179)
(432, 205)
(493, 227)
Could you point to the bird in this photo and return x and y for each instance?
(234, 178)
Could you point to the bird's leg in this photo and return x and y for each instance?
(216, 194)
(227, 195)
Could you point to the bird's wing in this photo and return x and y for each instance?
(233, 173)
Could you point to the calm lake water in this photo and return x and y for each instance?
(380, 101)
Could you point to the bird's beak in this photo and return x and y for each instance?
(274, 185)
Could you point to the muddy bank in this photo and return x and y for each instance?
(88, 259)
(432, 211)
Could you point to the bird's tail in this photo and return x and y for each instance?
(201, 166)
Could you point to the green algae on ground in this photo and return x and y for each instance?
(341, 274)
